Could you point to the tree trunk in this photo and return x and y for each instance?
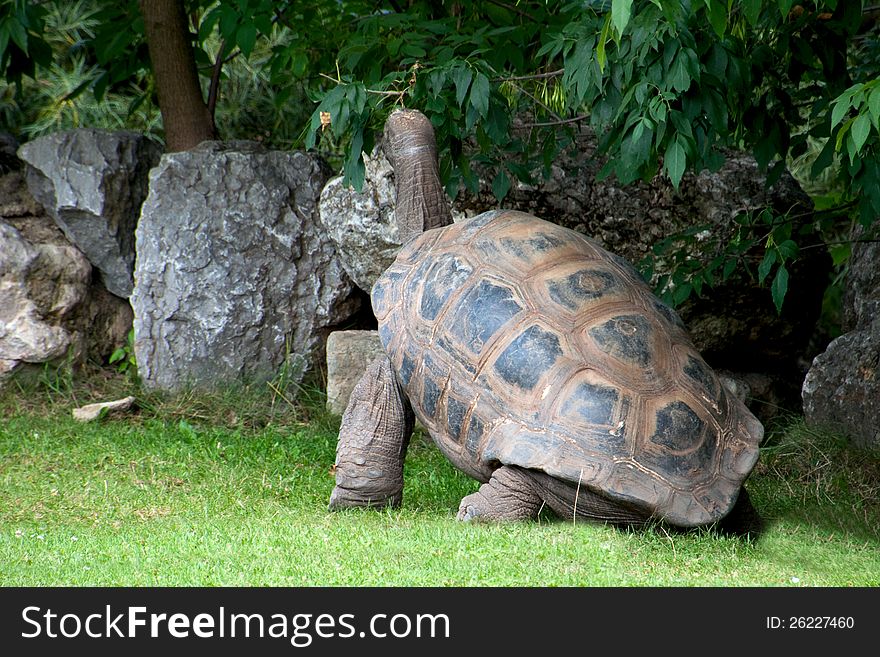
(185, 116)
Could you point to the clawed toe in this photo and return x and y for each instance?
(467, 513)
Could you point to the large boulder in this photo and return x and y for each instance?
(735, 325)
(38, 281)
(861, 296)
(235, 277)
(92, 182)
(50, 308)
(361, 224)
(841, 391)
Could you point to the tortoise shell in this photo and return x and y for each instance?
(521, 342)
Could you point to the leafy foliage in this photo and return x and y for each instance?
(123, 357)
(665, 86)
(35, 101)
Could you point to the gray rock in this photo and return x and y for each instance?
(51, 309)
(361, 224)
(92, 182)
(841, 391)
(15, 199)
(861, 298)
(348, 355)
(235, 277)
(41, 284)
(91, 412)
(8, 159)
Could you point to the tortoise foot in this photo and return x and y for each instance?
(509, 494)
(344, 498)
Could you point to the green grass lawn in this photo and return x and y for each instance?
(233, 490)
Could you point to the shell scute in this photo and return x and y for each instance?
(483, 311)
(528, 358)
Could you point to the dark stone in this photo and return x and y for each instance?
(841, 391)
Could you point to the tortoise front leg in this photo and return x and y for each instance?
(373, 438)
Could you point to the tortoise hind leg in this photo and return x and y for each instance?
(510, 494)
(514, 493)
(373, 438)
(580, 503)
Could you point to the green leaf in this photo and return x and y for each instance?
(788, 249)
(674, 162)
(4, 41)
(621, 10)
(501, 185)
(208, 24)
(729, 266)
(752, 10)
(824, 159)
(766, 265)
(480, 94)
(413, 50)
(601, 55)
(681, 293)
(874, 107)
(299, 62)
(247, 38)
(779, 287)
(354, 165)
(861, 127)
(119, 354)
(840, 253)
(314, 126)
(642, 124)
(717, 11)
(18, 33)
(462, 78)
(841, 107)
(678, 74)
(228, 22)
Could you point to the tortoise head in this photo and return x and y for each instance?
(412, 150)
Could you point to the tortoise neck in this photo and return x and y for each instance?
(421, 199)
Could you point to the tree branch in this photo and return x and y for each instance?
(561, 121)
(214, 88)
(536, 76)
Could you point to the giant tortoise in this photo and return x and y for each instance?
(541, 365)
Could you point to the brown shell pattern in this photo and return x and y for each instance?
(522, 342)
